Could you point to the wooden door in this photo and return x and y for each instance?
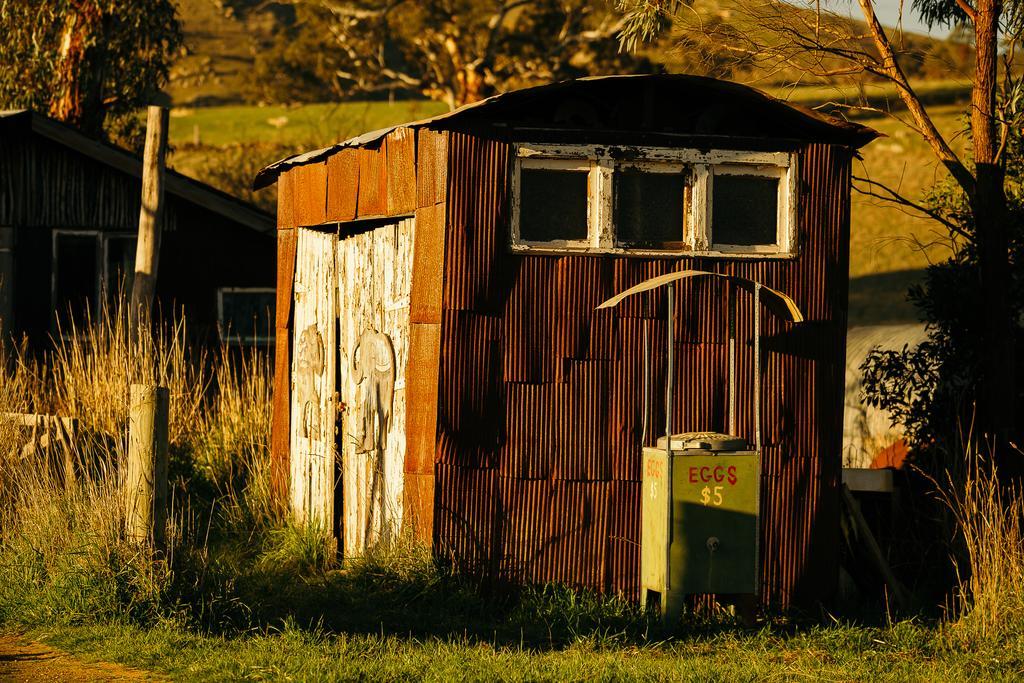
(314, 356)
(374, 279)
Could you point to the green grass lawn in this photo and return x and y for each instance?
(904, 652)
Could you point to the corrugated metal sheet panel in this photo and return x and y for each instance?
(280, 428)
(342, 185)
(421, 396)
(428, 265)
(431, 167)
(309, 194)
(285, 205)
(465, 501)
(400, 153)
(373, 183)
(469, 403)
(572, 386)
(477, 211)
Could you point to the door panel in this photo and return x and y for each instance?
(313, 379)
(374, 278)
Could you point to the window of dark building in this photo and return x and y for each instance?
(744, 210)
(650, 208)
(90, 267)
(552, 205)
(76, 275)
(120, 265)
(245, 315)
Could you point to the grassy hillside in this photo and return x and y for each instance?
(311, 125)
(218, 52)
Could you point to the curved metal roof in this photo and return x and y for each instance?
(814, 124)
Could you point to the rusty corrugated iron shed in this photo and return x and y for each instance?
(526, 409)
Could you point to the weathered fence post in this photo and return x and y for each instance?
(146, 471)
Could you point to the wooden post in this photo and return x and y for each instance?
(146, 472)
(147, 249)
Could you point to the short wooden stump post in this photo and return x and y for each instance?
(145, 483)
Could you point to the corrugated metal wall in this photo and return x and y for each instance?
(540, 399)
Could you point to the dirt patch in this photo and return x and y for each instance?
(24, 661)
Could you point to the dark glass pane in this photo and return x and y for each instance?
(552, 205)
(650, 208)
(247, 315)
(744, 210)
(120, 265)
(77, 279)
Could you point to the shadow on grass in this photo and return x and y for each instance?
(403, 592)
(881, 298)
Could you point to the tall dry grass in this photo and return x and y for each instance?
(990, 517)
(232, 441)
(94, 364)
(64, 551)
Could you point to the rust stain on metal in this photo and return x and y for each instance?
(285, 203)
(373, 183)
(309, 194)
(400, 152)
(342, 185)
(428, 265)
(431, 167)
(281, 418)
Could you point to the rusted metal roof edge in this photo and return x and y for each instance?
(860, 135)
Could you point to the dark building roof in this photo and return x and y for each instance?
(23, 121)
(679, 104)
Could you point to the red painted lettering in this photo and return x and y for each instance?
(705, 474)
(732, 474)
(719, 476)
(693, 475)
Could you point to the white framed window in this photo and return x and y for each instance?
(545, 184)
(653, 201)
(89, 267)
(245, 315)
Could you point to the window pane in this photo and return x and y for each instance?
(744, 210)
(650, 208)
(246, 315)
(120, 265)
(552, 205)
(77, 279)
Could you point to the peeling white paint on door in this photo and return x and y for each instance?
(313, 379)
(374, 279)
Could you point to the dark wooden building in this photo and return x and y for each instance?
(442, 277)
(69, 213)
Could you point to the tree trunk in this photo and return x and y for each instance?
(147, 249)
(998, 389)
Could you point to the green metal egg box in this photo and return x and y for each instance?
(713, 544)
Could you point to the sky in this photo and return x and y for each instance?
(889, 11)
